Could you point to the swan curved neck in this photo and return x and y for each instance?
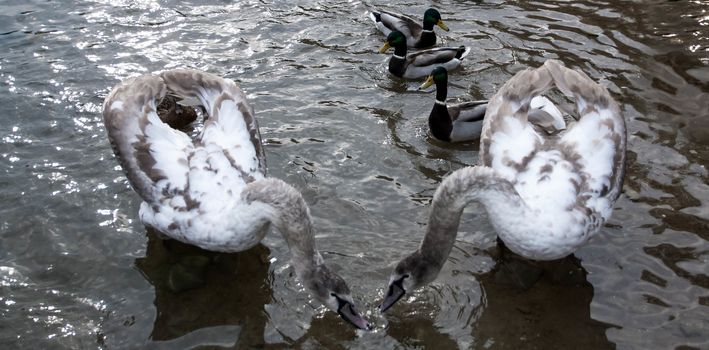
(452, 196)
(285, 207)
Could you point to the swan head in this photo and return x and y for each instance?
(412, 272)
(331, 290)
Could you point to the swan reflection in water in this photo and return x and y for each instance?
(538, 302)
(494, 299)
(211, 298)
(196, 288)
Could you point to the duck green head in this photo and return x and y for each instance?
(394, 39)
(438, 75)
(432, 17)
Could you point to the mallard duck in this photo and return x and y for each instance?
(463, 122)
(213, 192)
(417, 36)
(420, 64)
(545, 195)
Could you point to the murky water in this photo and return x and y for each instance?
(78, 270)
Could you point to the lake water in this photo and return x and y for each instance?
(79, 270)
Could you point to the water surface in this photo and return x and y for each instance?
(78, 269)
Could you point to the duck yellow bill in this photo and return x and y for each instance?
(384, 48)
(427, 83)
(442, 25)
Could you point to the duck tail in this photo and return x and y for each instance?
(462, 52)
(375, 16)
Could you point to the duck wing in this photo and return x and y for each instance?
(153, 155)
(471, 111)
(435, 56)
(391, 21)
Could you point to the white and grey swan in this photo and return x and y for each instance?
(213, 192)
(545, 195)
(462, 122)
(417, 36)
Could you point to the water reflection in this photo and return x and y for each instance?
(232, 291)
(420, 331)
(541, 303)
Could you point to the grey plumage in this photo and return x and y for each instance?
(211, 191)
(545, 194)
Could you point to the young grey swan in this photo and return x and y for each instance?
(546, 195)
(212, 192)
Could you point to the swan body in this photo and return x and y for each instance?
(417, 36)
(421, 63)
(212, 192)
(190, 190)
(546, 195)
(462, 122)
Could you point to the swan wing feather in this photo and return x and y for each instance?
(153, 155)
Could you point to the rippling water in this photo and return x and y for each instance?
(78, 270)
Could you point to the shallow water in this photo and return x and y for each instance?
(78, 270)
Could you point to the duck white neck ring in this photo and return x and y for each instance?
(398, 57)
(439, 102)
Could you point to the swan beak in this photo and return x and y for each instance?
(396, 292)
(347, 311)
(442, 25)
(427, 83)
(384, 48)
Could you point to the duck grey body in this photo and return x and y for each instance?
(417, 35)
(421, 63)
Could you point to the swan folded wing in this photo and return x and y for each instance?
(231, 126)
(153, 155)
(432, 56)
(597, 140)
(508, 142)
